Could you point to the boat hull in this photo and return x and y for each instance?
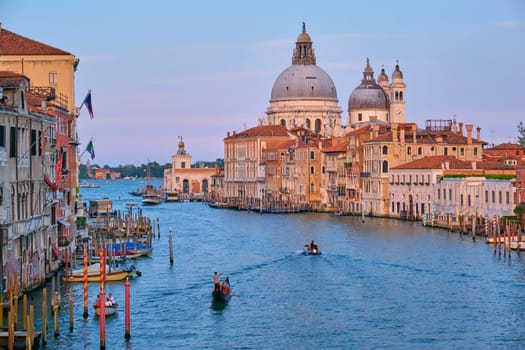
(223, 293)
(108, 310)
(110, 277)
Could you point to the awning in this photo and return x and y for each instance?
(63, 229)
(56, 251)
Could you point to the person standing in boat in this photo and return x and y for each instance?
(216, 280)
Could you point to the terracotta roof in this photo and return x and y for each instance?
(336, 148)
(279, 144)
(263, 130)
(505, 146)
(15, 44)
(11, 79)
(435, 162)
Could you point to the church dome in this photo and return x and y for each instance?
(303, 81)
(368, 95)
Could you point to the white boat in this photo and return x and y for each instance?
(151, 196)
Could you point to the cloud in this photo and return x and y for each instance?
(507, 24)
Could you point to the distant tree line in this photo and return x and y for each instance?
(155, 169)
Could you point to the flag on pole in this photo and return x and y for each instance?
(90, 149)
(89, 105)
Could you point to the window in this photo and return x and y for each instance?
(409, 150)
(461, 200)
(13, 142)
(34, 143)
(486, 196)
(439, 194)
(283, 122)
(317, 125)
(183, 165)
(419, 151)
(500, 197)
(449, 194)
(2, 136)
(308, 123)
(312, 155)
(461, 151)
(312, 187)
(400, 95)
(445, 151)
(475, 151)
(396, 96)
(385, 166)
(312, 170)
(493, 197)
(385, 149)
(360, 117)
(53, 77)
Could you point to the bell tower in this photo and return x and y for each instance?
(397, 96)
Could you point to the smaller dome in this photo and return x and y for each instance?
(383, 78)
(397, 73)
(368, 97)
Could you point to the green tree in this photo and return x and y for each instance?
(521, 138)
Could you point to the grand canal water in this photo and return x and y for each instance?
(378, 284)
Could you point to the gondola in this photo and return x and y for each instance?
(309, 250)
(223, 292)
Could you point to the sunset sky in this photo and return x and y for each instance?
(199, 69)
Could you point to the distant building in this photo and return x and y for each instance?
(182, 178)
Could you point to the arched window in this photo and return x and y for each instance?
(396, 96)
(312, 187)
(475, 151)
(283, 122)
(205, 185)
(400, 95)
(312, 170)
(419, 151)
(445, 151)
(317, 125)
(385, 149)
(385, 166)
(308, 123)
(409, 150)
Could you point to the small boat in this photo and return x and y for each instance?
(151, 196)
(103, 207)
(131, 250)
(137, 193)
(109, 310)
(173, 196)
(89, 185)
(223, 292)
(77, 276)
(311, 249)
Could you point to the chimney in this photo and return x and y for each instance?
(478, 129)
(402, 135)
(454, 126)
(445, 165)
(414, 133)
(460, 128)
(394, 132)
(469, 133)
(373, 121)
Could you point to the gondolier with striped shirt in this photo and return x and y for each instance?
(216, 280)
